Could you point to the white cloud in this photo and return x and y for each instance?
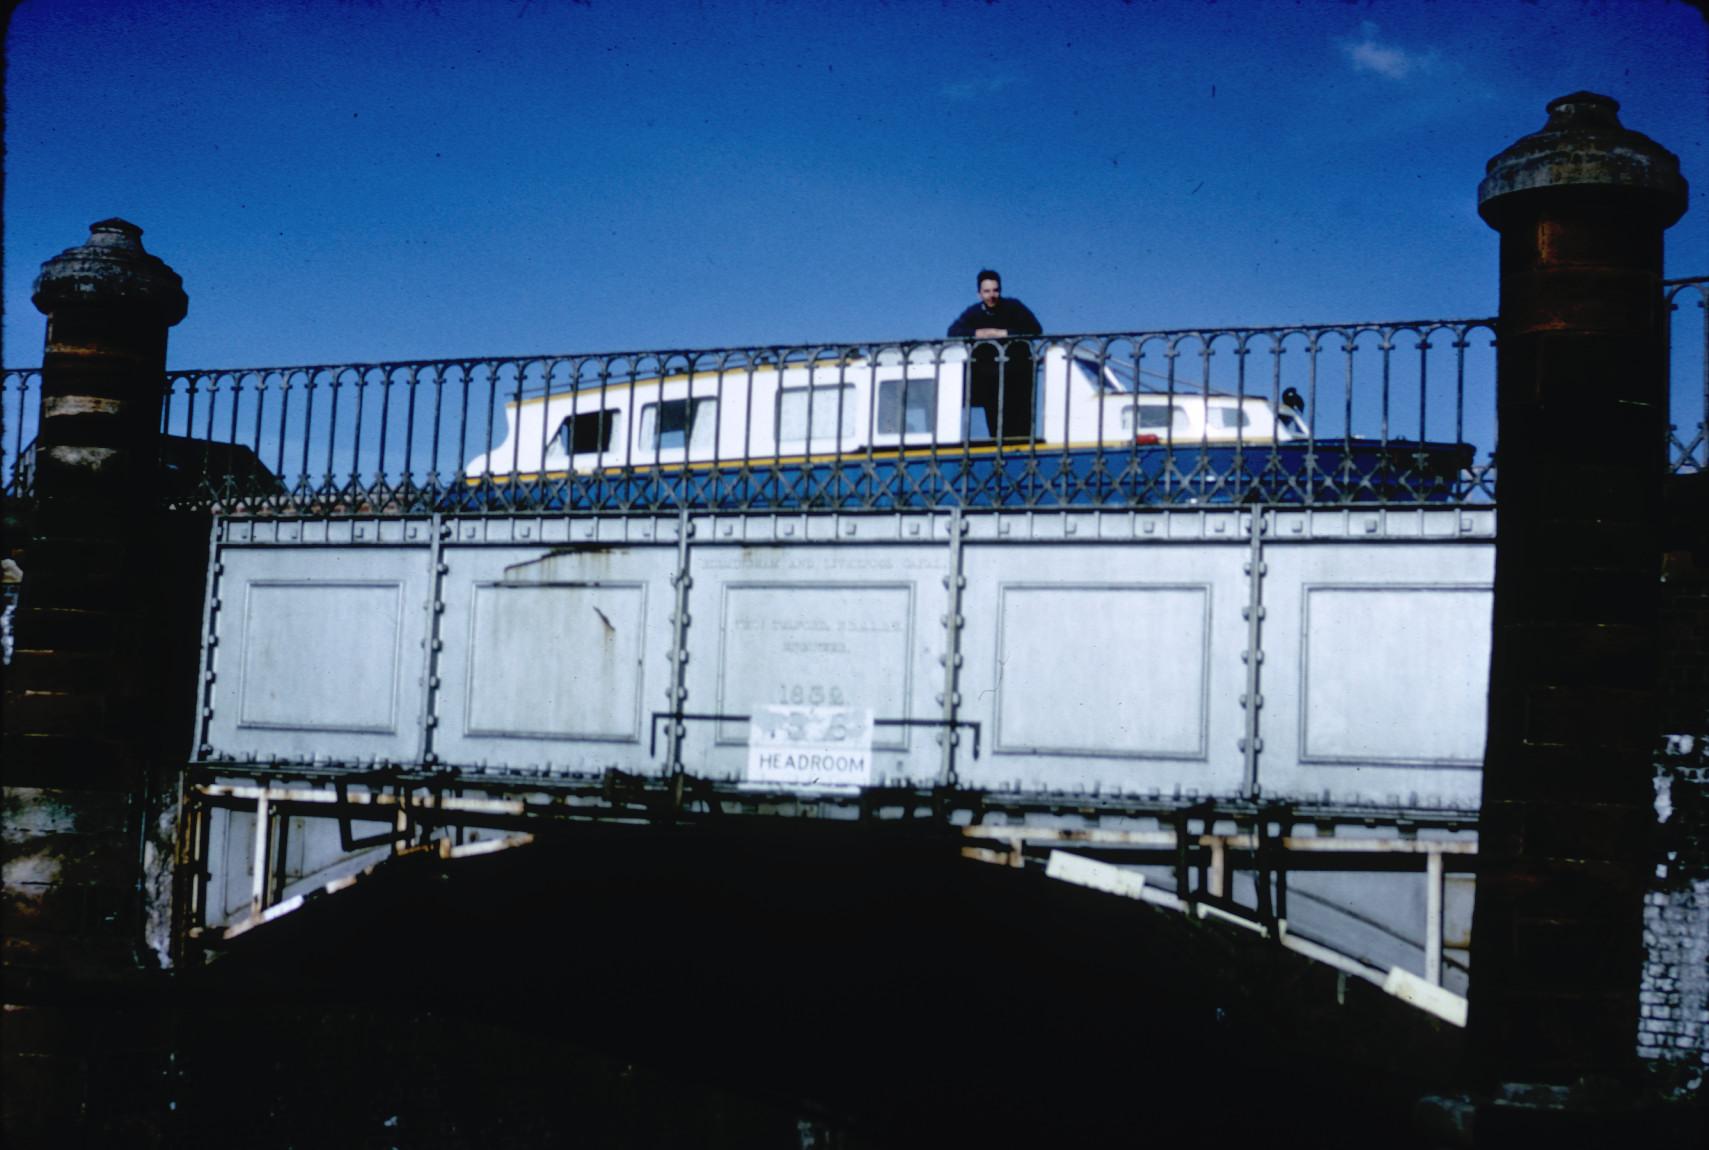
(1368, 54)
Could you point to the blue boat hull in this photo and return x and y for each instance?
(1341, 472)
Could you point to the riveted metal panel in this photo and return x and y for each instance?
(290, 631)
(1339, 653)
(581, 646)
(1359, 699)
(552, 658)
(1110, 664)
(1376, 669)
(316, 652)
(841, 621)
(816, 644)
(1111, 670)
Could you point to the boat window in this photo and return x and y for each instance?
(1232, 417)
(826, 412)
(678, 423)
(1155, 417)
(907, 405)
(587, 433)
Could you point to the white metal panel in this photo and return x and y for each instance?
(578, 649)
(231, 865)
(1096, 650)
(1360, 699)
(816, 644)
(318, 653)
(553, 658)
(1376, 670)
(849, 624)
(1102, 669)
(321, 656)
(1115, 666)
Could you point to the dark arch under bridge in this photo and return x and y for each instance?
(868, 975)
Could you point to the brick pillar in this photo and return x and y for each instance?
(1582, 402)
(82, 720)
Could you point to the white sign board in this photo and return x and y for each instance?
(818, 748)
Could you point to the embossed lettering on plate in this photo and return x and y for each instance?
(819, 644)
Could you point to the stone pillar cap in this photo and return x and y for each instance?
(111, 270)
(1582, 145)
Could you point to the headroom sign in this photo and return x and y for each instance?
(811, 748)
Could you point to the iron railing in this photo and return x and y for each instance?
(1368, 413)
(1688, 374)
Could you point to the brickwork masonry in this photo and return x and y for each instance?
(1673, 1001)
(1673, 1025)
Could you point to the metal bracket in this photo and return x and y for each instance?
(348, 842)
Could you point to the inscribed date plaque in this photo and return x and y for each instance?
(816, 645)
(812, 748)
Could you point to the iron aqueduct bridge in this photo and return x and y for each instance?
(1216, 637)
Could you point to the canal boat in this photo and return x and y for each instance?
(898, 431)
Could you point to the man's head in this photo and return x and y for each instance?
(990, 287)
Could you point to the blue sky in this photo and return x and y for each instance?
(410, 179)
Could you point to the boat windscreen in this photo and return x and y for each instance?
(1123, 376)
(1094, 375)
(1119, 375)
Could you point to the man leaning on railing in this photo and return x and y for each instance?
(1008, 407)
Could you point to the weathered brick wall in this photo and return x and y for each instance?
(1673, 1028)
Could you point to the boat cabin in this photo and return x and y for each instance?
(765, 413)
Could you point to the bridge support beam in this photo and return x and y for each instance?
(88, 785)
(1568, 804)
